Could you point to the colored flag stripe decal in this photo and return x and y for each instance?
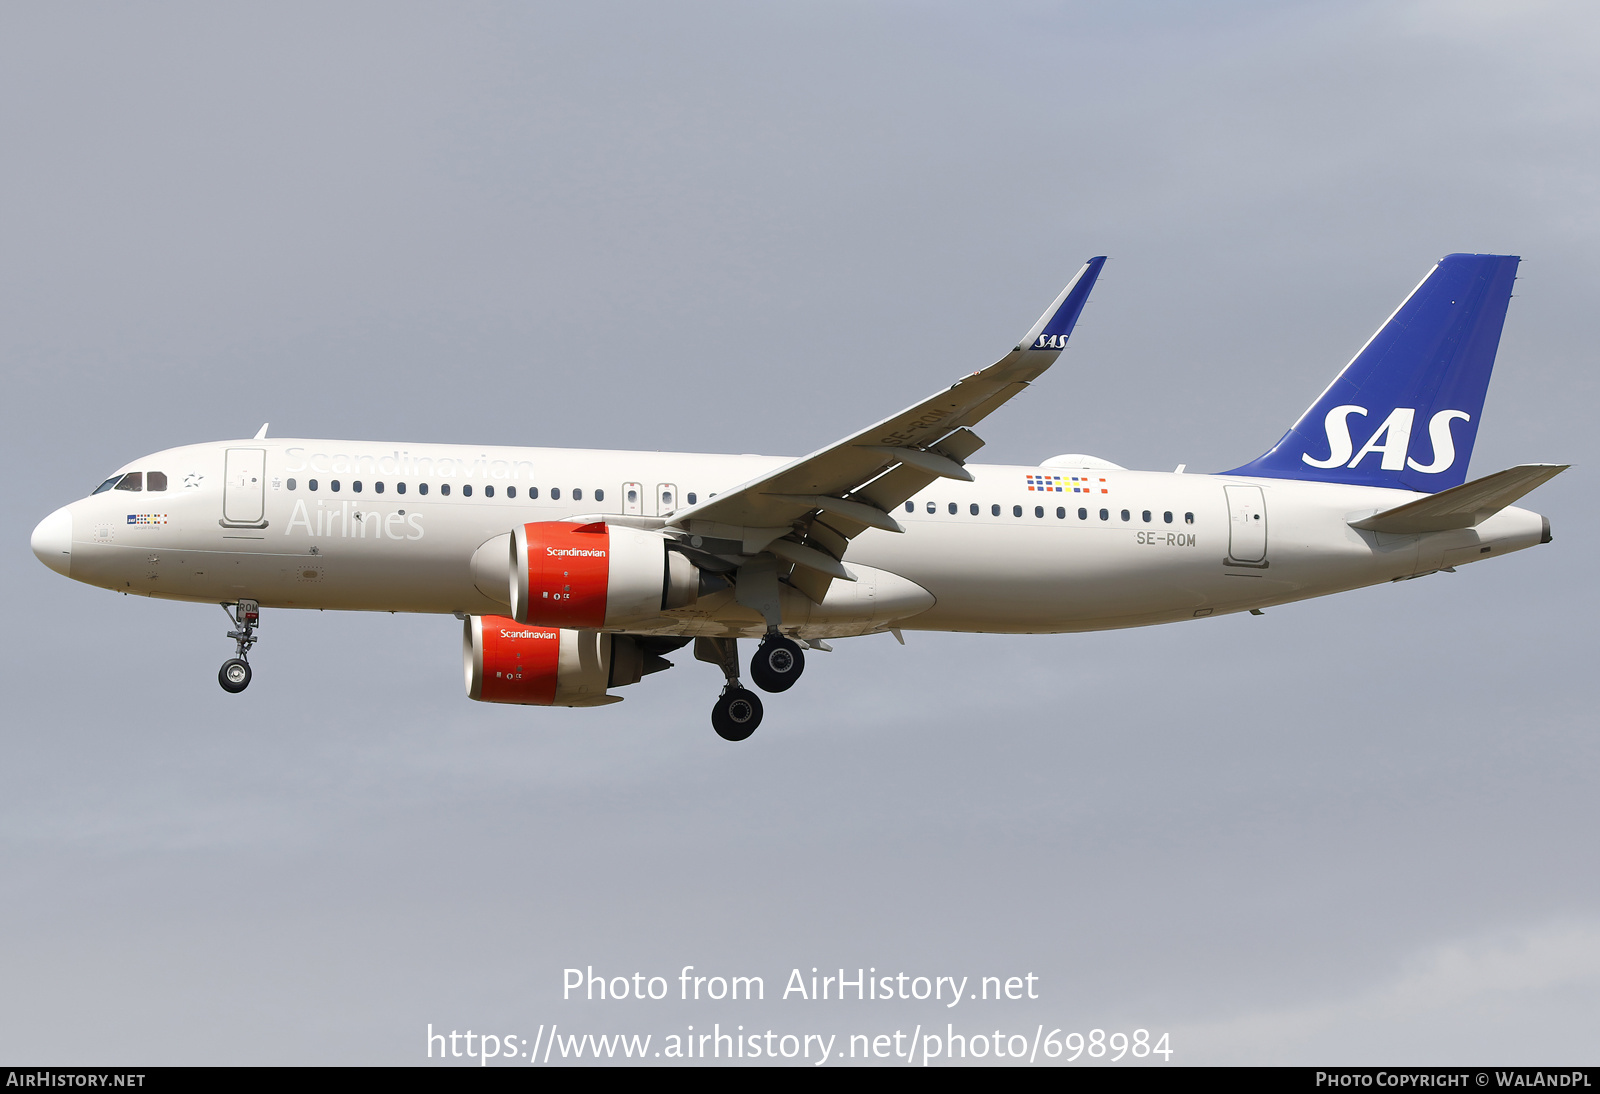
(1060, 484)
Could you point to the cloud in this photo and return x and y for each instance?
(1454, 1002)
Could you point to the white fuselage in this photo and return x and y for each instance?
(242, 520)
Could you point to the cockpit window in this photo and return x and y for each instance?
(133, 480)
(107, 485)
(156, 480)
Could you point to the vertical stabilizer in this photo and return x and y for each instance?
(1404, 413)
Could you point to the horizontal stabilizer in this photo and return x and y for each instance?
(1464, 506)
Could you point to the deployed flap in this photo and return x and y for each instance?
(1464, 506)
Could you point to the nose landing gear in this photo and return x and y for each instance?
(234, 676)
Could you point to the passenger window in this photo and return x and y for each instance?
(1105, 514)
(633, 496)
(1124, 514)
(1167, 516)
(466, 490)
(107, 485)
(597, 494)
(1016, 510)
(555, 493)
(156, 480)
(600, 495)
(911, 507)
(334, 486)
(974, 508)
(1188, 518)
(952, 509)
(1083, 514)
(932, 507)
(133, 480)
(511, 491)
(377, 488)
(577, 495)
(533, 493)
(311, 484)
(1061, 514)
(356, 486)
(289, 483)
(444, 488)
(1038, 510)
(422, 488)
(488, 491)
(994, 510)
(399, 488)
(1147, 516)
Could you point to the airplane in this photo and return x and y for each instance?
(575, 572)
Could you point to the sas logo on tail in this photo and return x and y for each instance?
(1050, 341)
(1392, 440)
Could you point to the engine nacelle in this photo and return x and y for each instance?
(589, 576)
(510, 662)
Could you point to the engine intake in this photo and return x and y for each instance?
(592, 576)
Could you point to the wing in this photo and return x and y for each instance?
(806, 512)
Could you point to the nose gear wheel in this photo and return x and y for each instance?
(234, 675)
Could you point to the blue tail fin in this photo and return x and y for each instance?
(1404, 412)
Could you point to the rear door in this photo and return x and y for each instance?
(244, 487)
(1247, 525)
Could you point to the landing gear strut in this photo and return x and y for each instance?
(778, 663)
(234, 675)
(737, 712)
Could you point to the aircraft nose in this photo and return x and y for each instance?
(52, 541)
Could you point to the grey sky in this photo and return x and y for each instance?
(1355, 830)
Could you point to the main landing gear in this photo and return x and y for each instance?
(737, 711)
(234, 676)
(777, 664)
(736, 714)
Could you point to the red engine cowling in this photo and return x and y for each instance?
(590, 576)
(510, 662)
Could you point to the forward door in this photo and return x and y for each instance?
(244, 487)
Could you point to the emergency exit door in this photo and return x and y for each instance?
(632, 499)
(666, 498)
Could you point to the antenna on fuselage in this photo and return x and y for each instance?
(261, 434)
